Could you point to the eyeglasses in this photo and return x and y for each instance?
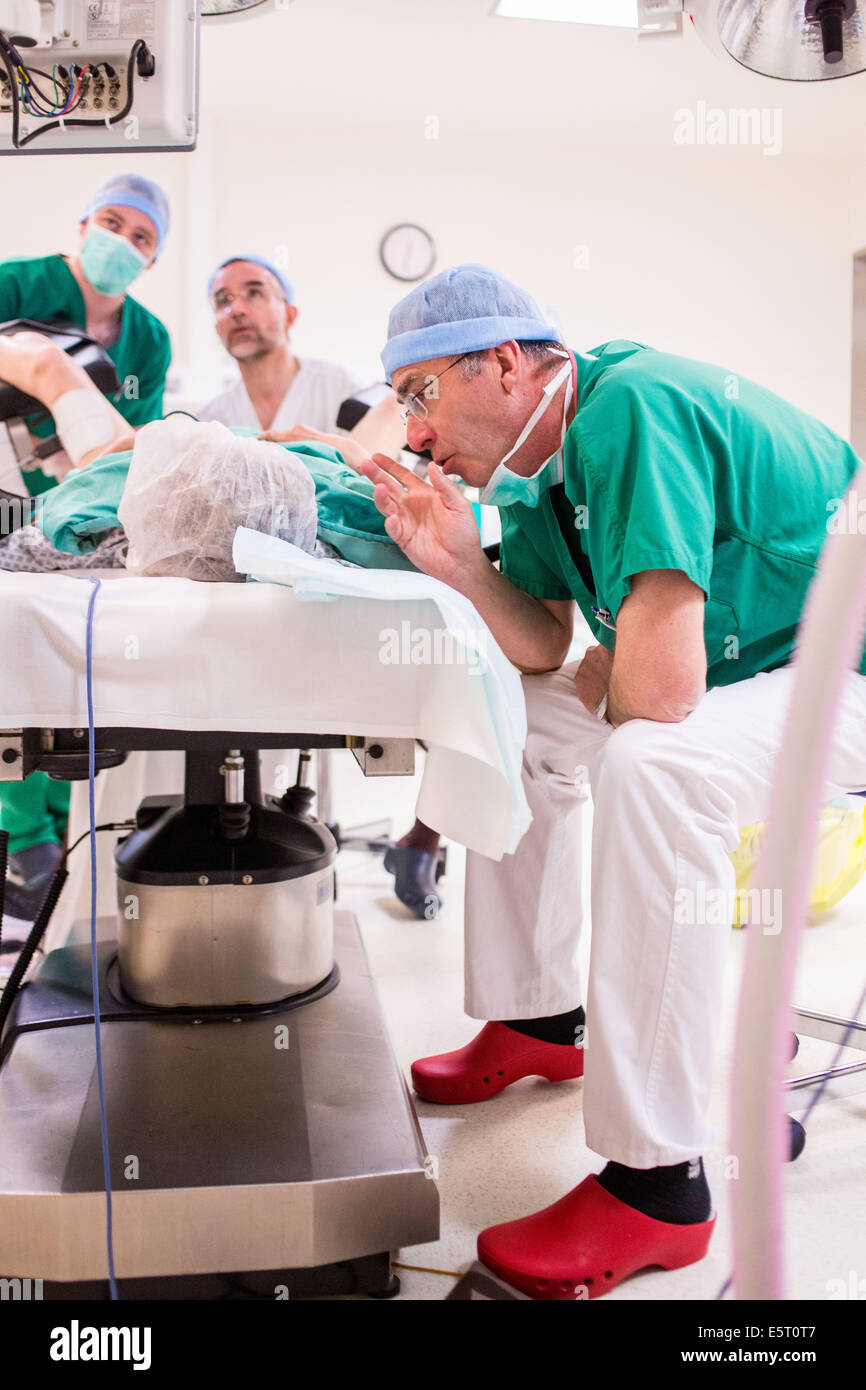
(249, 294)
(414, 405)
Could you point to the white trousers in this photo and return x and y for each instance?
(669, 801)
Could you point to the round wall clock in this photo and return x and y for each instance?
(407, 252)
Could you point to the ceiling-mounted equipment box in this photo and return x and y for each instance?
(98, 76)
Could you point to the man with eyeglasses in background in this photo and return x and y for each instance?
(255, 312)
(290, 399)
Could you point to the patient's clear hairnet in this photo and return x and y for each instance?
(191, 485)
(465, 308)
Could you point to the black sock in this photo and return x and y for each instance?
(679, 1194)
(559, 1028)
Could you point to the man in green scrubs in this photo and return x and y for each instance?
(122, 233)
(683, 508)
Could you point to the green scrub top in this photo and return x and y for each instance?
(675, 464)
(43, 287)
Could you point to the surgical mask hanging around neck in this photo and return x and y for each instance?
(504, 487)
(109, 261)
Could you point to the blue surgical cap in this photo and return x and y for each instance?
(466, 308)
(266, 265)
(132, 191)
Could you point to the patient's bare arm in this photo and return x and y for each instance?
(38, 366)
(380, 431)
(352, 453)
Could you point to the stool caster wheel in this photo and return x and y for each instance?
(798, 1139)
(390, 1290)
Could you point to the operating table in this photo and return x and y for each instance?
(259, 1128)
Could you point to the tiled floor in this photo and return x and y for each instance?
(524, 1149)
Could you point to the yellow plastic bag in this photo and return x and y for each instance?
(840, 858)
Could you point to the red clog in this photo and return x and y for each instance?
(489, 1063)
(584, 1244)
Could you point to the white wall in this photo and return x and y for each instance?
(550, 137)
(710, 253)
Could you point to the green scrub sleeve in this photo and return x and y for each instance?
(148, 405)
(521, 562)
(650, 490)
(10, 295)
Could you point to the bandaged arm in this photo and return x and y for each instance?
(85, 420)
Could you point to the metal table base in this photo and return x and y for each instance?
(282, 1146)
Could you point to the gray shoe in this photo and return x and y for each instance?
(415, 877)
(27, 879)
(23, 903)
(35, 865)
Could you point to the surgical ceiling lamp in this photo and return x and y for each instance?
(794, 40)
(211, 9)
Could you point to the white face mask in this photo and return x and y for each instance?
(505, 487)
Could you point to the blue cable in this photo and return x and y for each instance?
(94, 964)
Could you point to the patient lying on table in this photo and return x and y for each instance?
(169, 499)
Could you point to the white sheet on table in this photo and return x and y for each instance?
(177, 654)
(312, 578)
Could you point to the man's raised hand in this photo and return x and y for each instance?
(432, 522)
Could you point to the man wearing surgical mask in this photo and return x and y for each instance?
(122, 233)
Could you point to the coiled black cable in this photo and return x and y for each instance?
(4, 860)
(40, 926)
(31, 945)
(12, 59)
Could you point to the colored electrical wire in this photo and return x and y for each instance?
(73, 98)
(12, 61)
(52, 104)
(32, 97)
